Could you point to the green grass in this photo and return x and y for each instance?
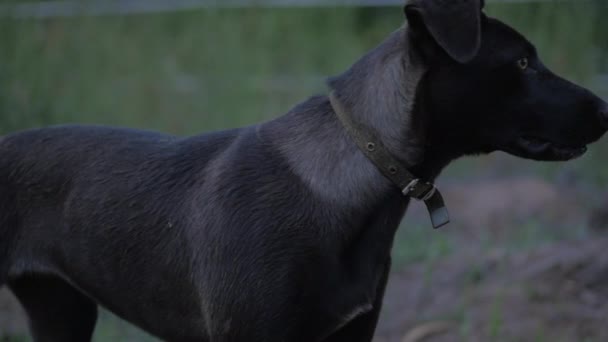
(418, 242)
(496, 318)
(184, 72)
(112, 328)
(4, 338)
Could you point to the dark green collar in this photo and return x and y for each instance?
(391, 168)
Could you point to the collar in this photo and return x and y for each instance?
(391, 168)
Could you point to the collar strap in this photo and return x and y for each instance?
(391, 168)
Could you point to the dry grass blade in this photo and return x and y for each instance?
(426, 330)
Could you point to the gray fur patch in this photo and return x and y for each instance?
(378, 91)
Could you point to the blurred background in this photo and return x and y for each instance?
(525, 257)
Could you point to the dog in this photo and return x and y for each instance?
(280, 231)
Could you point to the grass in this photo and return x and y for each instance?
(496, 318)
(21, 338)
(197, 71)
(183, 72)
(112, 328)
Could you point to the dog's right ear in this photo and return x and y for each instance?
(455, 25)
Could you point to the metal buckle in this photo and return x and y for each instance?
(412, 187)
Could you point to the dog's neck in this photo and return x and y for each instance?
(378, 92)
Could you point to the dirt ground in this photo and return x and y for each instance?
(552, 291)
(555, 293)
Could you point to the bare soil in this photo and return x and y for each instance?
(554, 293)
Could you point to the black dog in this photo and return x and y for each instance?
(281, 231)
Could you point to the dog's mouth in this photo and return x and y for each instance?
(541, 149)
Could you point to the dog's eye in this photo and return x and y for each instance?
(523, 63)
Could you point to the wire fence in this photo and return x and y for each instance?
(51, 9)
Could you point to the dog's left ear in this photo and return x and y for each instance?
(455, 25)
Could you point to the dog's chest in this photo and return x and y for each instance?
(365, 265)
(351, 300)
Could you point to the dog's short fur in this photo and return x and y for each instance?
(281, 231)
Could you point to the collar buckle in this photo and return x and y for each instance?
(411, 187)
(419, 190)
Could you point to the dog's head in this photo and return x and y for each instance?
(486, 88)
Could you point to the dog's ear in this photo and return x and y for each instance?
(455, 25)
